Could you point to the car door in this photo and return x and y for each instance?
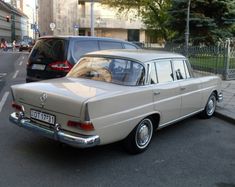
(166, 95)
(190, 88)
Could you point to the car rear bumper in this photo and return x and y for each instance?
(73, 139)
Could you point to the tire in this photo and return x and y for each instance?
(139, 139)
(209, 110)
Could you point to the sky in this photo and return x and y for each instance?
(30, 3)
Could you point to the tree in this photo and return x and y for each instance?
(154, 14)
(210, 20)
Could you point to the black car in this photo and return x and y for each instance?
(54, 56)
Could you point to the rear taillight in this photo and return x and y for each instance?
(87, 126)
(17, 107)
(61, 66)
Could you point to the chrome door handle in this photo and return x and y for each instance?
(156, 93)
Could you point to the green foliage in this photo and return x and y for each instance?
(210, 20)
(154, 14)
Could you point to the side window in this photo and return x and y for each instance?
(153, 75)
(186, 69)
(179, 69)
(164, 71)
(110, 45)
(129, 46)
(81, 47)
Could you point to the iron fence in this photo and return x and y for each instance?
(219, 59)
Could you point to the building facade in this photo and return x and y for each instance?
(29, 8)
(73, 17)
(13, 23)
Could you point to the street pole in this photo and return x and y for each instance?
(36, 20)
(92, 18)
(13, 26)
(187, 29)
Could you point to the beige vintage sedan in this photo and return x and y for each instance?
(115, 95)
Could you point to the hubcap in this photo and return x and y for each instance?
(144, 133)
(211, 106)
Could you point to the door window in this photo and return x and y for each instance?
(187, 69)
(129, 46)
(179, 69)
(82, 47)
(110, 45)
(164, 71)
(152, 74)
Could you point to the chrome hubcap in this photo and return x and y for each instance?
(144, 133)
(211, 106)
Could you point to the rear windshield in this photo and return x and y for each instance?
(114, 70)
(50, 50)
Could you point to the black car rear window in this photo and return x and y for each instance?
(50, 50)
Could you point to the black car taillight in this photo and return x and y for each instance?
(61, 66)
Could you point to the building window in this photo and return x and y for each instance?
(133, 35)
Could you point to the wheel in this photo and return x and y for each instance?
(139, 139)
(210, 107)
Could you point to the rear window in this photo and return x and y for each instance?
(113, 70)
(50, 50)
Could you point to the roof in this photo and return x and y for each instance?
(85, 37)
(138, 55)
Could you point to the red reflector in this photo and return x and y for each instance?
(87, 126)
(61, 66)
(73, 124)
(16, 106)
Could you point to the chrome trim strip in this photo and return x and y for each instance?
(76, 140)
(179, 119)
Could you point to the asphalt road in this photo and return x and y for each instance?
(193, 152)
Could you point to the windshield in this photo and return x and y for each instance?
(114, 70)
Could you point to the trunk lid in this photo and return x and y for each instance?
(64, 95)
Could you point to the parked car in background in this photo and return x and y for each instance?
(115, 95)
(54, 56)
(25, 46)
(9, 46)
(17, 45)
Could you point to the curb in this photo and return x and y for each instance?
(225, 117)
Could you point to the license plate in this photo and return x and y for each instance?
(38, 66)
(41, 116)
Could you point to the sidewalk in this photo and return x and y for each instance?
(226, 109)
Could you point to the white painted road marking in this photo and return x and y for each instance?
(21, 62)
(15, 75)
(3, 75)
(4, 98)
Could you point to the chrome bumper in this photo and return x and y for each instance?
(220, 97)
(72, 139)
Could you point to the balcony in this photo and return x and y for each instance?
(110, 23)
